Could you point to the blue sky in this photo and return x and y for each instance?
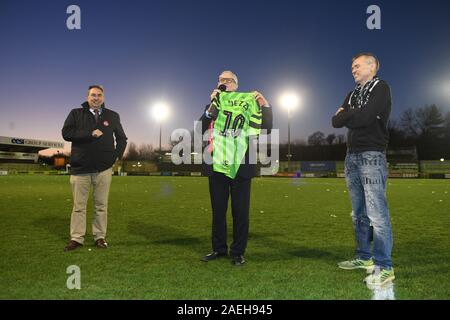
(146, 51)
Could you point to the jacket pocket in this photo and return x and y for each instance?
(77, 158)
(108, 157)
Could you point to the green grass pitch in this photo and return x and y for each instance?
(159, 227)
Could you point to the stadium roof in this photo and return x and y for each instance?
(16, 144)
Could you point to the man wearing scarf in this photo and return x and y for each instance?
(365, 113)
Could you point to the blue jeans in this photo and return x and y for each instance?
(366, 176)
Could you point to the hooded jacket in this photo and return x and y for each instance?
(367, 126)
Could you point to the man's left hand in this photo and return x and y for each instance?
(260, 99)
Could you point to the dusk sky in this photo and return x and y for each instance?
(146, 51)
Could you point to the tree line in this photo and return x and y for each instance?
(425, 128)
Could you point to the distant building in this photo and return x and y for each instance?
(23, 150)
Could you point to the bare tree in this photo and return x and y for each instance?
(146, 152)
(447, 125)
(424, 121)
(340, 139)
(316, 139)
(132, 152)
(330, 138)
(408, 123)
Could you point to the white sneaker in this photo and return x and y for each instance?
(379, 277)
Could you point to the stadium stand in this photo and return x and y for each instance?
(20, 155)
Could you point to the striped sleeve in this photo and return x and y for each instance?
(255, 120)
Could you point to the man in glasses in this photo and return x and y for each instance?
(234, 120)
(92, 130)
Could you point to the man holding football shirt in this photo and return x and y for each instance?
(234, 120)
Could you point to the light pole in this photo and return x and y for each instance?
(289, 155)
(160, 134)
(160, 113)
(289, 101)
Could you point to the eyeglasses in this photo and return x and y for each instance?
(227, 80)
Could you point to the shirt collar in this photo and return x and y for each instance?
(100, 110)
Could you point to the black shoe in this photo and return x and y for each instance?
(238, 260)
(72, 245)
(101, 244)
(212, 256)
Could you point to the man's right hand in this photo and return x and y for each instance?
(339, 111)
(97, 133)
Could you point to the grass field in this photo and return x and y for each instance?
(159, 227)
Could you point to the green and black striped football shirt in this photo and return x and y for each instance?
(239, 116)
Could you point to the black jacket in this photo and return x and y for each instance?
(246, 170)
(368, 126)
(91, 154)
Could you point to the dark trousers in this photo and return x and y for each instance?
(220, 188)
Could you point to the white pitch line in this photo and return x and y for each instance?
(385, 292)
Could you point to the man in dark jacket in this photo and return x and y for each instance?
(365, 113)
(92, 129)
(223, 183)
